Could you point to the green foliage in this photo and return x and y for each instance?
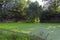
(13, 9)
(34, 10)
(27, 10)
(11, 35)
(54, 4)
(30, 30)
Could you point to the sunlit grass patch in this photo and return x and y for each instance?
(32, 29)
(13, 35)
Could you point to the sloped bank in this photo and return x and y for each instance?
(11, 35)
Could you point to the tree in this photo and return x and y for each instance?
(20, 8)
(12, 9)
(1, 9)
(50, 13)
(34, 11)
(53, 5)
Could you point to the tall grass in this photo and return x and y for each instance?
(11, 35)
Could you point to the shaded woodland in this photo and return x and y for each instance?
(27, 11)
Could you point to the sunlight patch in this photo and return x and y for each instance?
(49, 27)
(58, 25)
(25, 31)
(32, 29)
(22, 31)
(52, 31)
(16, 31)
(54, 27)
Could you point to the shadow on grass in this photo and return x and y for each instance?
(11, 35)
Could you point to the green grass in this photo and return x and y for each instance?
(35, 28)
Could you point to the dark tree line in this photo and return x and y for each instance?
(22, 10)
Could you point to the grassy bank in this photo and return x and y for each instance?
(12, 35)
(27, 31)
